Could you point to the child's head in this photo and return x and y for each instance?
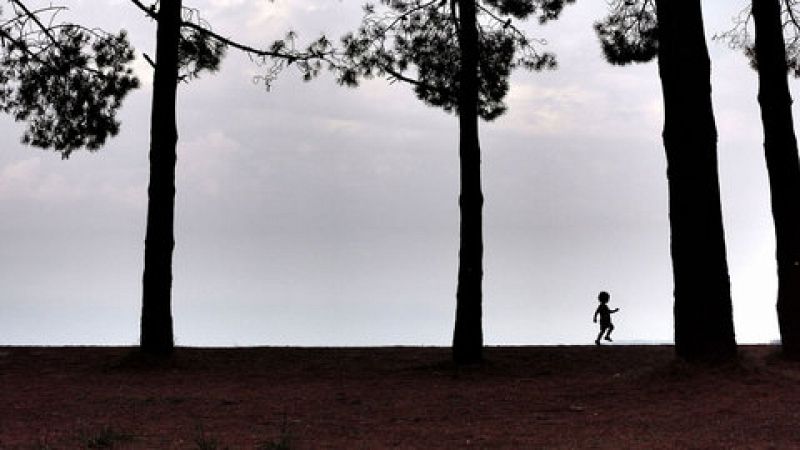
(603, 297)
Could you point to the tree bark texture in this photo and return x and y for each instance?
(783, 167)
(156, 324)
(702, 310)
(468, 334)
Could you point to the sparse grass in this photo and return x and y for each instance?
(42, 444)
(105, 437)
(205, 442)
(283, 441)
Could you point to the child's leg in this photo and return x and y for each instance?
(608, 333)
(600, 336)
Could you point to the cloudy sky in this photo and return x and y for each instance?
(319, 215)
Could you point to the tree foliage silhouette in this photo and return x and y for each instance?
(742, 35)
(186, 47)
(462, 53)
(64, 80)
(638, 31)
(773, 50)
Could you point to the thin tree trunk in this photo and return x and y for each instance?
(703, 312)
(468, 334)
(156, 325)
(780, 150)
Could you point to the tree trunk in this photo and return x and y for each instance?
(156, 325)
(468, 334)
(703, 312)
(780, 150)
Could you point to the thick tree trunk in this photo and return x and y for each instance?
(703, 312)
(156, 325)
(780, 150)
(468, 334)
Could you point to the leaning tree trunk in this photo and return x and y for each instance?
(703, 312)
(780, 150)
(156, 326)
(468, 334)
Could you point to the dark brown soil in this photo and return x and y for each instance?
(270, 398)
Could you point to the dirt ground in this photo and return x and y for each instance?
(277, 398)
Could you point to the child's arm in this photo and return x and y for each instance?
(614, 310)
(596, 312)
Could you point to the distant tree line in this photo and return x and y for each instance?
(67, 82)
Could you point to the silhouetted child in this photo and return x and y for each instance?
(606, 327)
